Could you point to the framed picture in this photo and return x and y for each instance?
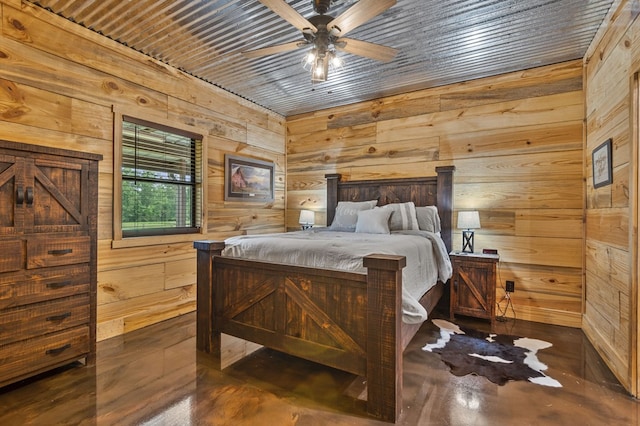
(602, 168)
(248, 179)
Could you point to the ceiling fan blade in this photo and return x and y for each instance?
(358, 14)
(279, 48)
(289, 14)
(366, 49)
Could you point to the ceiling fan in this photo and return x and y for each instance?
(325, 33)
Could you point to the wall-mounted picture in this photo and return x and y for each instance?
(602, 166)
(248, 179)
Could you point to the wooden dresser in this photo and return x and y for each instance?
(48, 216)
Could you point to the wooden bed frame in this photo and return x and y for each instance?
(347, 320)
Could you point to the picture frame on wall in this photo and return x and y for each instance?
(602, 164)
(248, 179)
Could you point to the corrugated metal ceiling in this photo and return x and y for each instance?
(438, 41)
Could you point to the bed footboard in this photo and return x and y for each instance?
(347, 320)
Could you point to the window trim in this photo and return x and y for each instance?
(118, 241)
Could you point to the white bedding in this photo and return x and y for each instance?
(427, 258)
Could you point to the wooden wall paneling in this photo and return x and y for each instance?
(109, 259)
(179, 273)
(129, 282)
(565, 281)
(38, 108)
(531, 194)
(543, 138)
(610, 317)
(217, 125)
(557, 166)
(148, 309)
(83, 75)
(244, 217)
(264, 138)
(399, 106)
(386, 154)
(344, 137)
(610, 226)
(523, 112)
(73, 79)
(516, 141)
(539, 251)
(555, 223)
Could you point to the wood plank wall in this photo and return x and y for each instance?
(611, 308)
(517, 143)
(58, 85)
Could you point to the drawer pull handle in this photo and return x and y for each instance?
(29, 196)
(59, 350)
(59, 317)
(60, 252)
(59, 284)
(19, 195)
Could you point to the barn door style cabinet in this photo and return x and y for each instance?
(48, 215)
(473, 285)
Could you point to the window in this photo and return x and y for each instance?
(161, 178)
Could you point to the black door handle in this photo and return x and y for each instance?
(29, 196)
(19, 195)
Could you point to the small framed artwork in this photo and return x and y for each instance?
(248, 179)
(602, 165)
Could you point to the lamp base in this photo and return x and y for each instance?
(467, 241)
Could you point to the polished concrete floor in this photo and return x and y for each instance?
(154, 376)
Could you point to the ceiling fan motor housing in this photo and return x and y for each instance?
(321, 6)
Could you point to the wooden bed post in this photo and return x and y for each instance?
(384, 322)
(206, 339)
(445, 203)
(332, 195)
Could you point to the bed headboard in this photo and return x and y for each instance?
(426, 191)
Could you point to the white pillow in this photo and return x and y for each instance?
(428, 219)
(403, 217)
(347, 214)
(375, 221)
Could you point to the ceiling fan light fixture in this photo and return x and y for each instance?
(321, 65)
(309, 59)
(320, 70)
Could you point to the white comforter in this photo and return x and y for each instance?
(427, 258)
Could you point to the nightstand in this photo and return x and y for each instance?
(473, 285)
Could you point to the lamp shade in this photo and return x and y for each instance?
(307, 217)
(468, 220)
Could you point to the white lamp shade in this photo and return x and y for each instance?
(468, 220)
(307, 217)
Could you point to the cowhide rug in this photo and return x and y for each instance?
(499, 358)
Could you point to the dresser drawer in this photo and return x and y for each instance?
(39, 285)
(42, 318)
(32, 356)
(45, 252)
